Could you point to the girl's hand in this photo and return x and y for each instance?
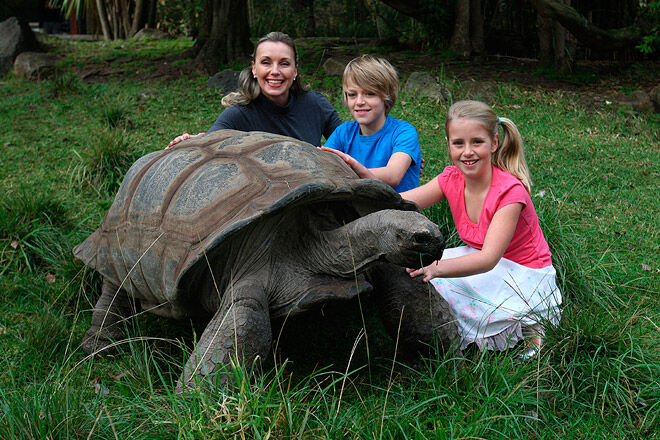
(183, 137)
(356, 166)
(431, 271)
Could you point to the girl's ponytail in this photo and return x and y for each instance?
(509, 155)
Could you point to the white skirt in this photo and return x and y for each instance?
(492, 307)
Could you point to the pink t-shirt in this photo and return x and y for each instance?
(528, 246)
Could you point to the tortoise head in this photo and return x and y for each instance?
(407, 238)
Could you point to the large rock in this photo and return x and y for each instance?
(638, 101)
(335, 66)
(655, 98)
(15, 38)
(225, 81)
(486, 91)
(423, 85)
(153, 34)
(35, 65)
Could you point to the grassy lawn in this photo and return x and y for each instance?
(65, 146)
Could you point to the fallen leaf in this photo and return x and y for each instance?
(3, 331)
(7, 144)
(50, 278)
(14, 244)
(646, 266)
(540, 193)
(101, 389)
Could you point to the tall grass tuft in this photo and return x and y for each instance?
(32, 227)
(116, 113)
(45, 409)
(106, 160)
(64, 83)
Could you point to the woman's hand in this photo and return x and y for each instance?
(433, 270)
(360, 170)
(183, 137)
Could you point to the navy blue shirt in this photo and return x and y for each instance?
(305, 117)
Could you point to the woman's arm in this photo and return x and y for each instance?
(497, 239)
(182, 137)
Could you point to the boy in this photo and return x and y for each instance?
(376, 145)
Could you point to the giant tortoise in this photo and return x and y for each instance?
(245, 228)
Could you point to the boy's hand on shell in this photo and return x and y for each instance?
(345, 157)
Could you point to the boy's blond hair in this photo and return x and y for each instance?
(375, 75)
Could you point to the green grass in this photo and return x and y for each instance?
(66, 144)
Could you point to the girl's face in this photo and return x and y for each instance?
(471, 147)
(366, 107)
(275, 68)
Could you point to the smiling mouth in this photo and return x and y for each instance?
(275, 82)
(470, 162)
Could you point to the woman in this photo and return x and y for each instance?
(272, 98)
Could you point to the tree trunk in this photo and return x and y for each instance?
(460, 40)
(153, 6)
(140, 16)
(477, 30)
(562, 62)
(103, 19)
(125, 16)
(224, 37)
(587, 33)
(546, 53)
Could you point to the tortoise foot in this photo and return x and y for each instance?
(101, 342)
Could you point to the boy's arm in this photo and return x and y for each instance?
(391, 174)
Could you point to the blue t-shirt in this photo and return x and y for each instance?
(375, 150)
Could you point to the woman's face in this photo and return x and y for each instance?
(274, 66)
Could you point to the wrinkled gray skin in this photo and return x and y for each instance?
(307, 237)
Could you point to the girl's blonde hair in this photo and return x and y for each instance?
(248, 86)
(374, 75)
(510, 155)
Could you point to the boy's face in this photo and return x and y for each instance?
(367, 108)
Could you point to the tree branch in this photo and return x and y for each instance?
(587, 33)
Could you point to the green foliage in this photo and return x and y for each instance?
(651, 42)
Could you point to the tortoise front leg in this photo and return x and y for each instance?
(414, 307)
(112, 308)
(239, 331)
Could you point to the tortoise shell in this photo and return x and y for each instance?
(175, 207)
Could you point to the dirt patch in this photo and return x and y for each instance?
(593, 82)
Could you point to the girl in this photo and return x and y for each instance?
(500, 286)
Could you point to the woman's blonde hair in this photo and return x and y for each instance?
(248, 86)
(374, 75)
(510, 155)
